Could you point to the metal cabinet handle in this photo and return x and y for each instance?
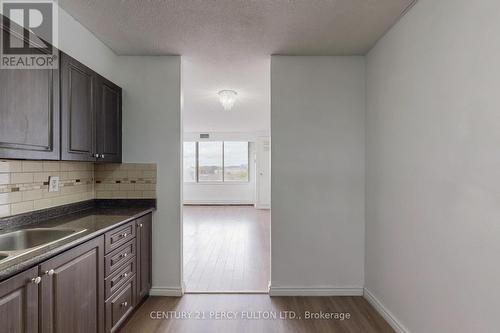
(124, 304)
(102, 155)
(36, 280)
(124, 275)
(140, 225)
(123, 235)
(95, 155)
(124, 255)
(49, 272)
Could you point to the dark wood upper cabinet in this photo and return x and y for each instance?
(109, 121)
(144, 255)
(72, 290)
(91, 108)
(19, 303)
(29, 112)
(78, 114)
(70, 113)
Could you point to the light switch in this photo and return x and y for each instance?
(53, 184)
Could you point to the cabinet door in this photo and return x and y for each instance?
(72, 290)
(109, 121)
(77, 110)
(19, 303)
(144, 255)
(29, 112)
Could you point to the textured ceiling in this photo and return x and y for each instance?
(237, 27)
(226, 44)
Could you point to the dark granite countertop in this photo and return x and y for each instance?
(96, 219)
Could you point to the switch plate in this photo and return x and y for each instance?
(53, 184)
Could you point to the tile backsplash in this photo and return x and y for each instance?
(125, 181)
(24, 184)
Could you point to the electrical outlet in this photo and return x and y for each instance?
(53, 184)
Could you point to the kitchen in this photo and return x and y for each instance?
(382, 201)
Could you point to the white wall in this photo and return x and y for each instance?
(433, 168)
(151, 133)
(317, 186)
(81, 44)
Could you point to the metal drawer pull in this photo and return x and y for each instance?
(36, 280)
(124, 255)
(49, 272)
(140, 225)
(124, 304)
(123, 235)
(124, 275)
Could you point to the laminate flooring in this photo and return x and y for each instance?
(226, 249)
(226, 313)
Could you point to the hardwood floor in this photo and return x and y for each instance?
(151, 317)
(226, 248)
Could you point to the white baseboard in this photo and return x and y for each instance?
(384, 312)
(315, 291)
(258, 206)
(166, 291)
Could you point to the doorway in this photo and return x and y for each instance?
(226, 214)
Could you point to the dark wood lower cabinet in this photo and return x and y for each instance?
(19, 303)
(120, 305)
(72, 290)
(144, 255)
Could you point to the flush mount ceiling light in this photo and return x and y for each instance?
(227, 98)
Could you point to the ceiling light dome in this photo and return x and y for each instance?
(227, 98)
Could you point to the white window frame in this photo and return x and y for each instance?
(223, 182)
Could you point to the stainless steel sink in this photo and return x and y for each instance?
(26, 239)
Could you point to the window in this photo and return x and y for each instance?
(216, 161)
(235, 161)
(210, 162)
(190, 162)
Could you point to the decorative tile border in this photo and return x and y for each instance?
(125, 181)
(24, 185)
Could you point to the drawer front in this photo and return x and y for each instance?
(117, 258)
(117, 237)
(120, 305)
(118, 278)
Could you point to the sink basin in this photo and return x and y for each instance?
(30, 238)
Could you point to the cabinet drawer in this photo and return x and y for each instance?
(117, 258)
(120, 305)
(118, 278)
(115, 238)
